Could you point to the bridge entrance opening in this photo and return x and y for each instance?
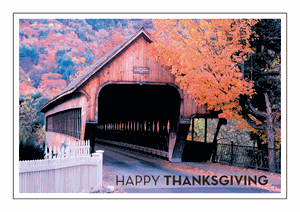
(141, 115)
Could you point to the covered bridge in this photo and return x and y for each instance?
(127, 97)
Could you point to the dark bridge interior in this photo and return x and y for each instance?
(138, 114)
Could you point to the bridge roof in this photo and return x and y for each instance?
(72, 86)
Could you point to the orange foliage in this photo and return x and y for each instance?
(51, 84)
(100, 51)
(110, 43)
(25, 88)
(46, 39)
(201, 54)
(82, 60)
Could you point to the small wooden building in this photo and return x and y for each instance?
(125, 91)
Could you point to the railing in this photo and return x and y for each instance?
(69, 169)
(150, 134)
(249, 157)
(147, 142)
(138, 148)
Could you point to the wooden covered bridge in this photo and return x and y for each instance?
(125, 97)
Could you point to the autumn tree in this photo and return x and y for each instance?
(203, 55)
(97, 51)
(26, 88)
(51, 84)
(114, 39)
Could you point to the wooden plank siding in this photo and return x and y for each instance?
(116, 68)
(77, 100)
(120, 71)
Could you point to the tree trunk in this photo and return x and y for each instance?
(271, 137)
(268, 126)
(215, 144)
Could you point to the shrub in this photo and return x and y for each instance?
(30, 151)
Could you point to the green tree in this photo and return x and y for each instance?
(31, 132)
(263, 110)
(65, 67)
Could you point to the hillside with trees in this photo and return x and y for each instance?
(53, 52)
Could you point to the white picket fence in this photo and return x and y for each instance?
(72, 149)
(69, 169)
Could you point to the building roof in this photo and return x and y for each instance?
(72, 86)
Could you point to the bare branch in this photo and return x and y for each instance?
(256, 111)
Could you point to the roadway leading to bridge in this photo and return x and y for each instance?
(133, 172)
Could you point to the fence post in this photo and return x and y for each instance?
(99, 156)
(50, 152)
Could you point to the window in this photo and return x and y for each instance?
(66, 122)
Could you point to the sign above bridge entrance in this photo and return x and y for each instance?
(141, 70)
